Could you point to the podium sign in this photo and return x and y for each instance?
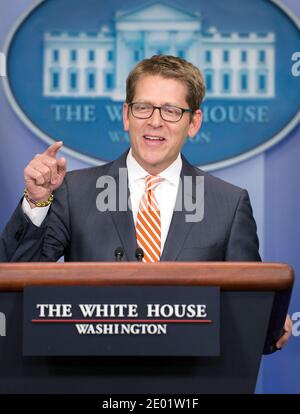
(121, 321)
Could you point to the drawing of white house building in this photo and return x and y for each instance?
(235, 65)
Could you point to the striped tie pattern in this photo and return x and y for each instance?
(148, 227)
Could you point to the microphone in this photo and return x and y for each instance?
(119, 253)
(139, 254)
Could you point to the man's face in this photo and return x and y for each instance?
(156, 143)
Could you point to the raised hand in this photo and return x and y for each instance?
(45, 173)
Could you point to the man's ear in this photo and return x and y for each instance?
(125, 116)
(195, 123)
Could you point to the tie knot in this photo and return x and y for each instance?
(152, 181)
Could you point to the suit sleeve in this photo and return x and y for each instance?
(22, 241)
(243, 242)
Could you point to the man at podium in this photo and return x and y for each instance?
(67, 214)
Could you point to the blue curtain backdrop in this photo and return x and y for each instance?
(272, 179)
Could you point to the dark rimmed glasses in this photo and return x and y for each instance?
(169, 113)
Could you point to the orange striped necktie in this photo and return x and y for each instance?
(148, 227)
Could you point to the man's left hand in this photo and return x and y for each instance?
(287, 333)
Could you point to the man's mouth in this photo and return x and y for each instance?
(153, 138)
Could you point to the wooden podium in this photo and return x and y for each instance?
(254, 303)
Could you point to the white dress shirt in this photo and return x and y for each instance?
(166, 193)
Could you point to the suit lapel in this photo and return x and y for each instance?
(179, 227)
(123, 220)
(124, 224)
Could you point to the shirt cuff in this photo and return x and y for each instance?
(36, 215)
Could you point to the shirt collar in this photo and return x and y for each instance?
(136, 172)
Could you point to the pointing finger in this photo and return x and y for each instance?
(52, 150)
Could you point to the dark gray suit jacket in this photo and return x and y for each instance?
(76, 229)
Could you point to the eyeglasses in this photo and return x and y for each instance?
(168, 113)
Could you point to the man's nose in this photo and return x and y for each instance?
(155, 119)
